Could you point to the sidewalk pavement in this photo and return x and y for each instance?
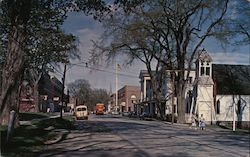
(213, 128)
(208, 128)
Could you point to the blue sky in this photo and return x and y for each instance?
(87, 29)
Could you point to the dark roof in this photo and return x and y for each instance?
(231, 79)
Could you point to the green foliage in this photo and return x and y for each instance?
(26, 116)
(57, 123)
(46, 42)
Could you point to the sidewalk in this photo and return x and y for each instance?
(213, 128)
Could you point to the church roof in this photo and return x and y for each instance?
(231, 79)
(204, 56)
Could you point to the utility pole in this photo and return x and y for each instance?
(116, 84)
(233, 116)
(63, 82)
(173, 94)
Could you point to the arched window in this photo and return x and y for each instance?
(218, 107)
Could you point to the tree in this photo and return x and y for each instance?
(235, 28)
(13, 67)
(170, 33)
(45, 42)
(133, 37)
(80, 89)
(84, 94)
(98, 96)
(23, 18)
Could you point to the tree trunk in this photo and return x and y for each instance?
(12, 74)
(36, 97)
(13, 68)
(181, 106)
(35, 78)
(181, 90)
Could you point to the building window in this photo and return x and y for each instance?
(190, 80)
(218, 107)
(208, 71)
(239, 107)
(202, 71)
(175, 109)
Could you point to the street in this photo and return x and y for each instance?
(106, 136)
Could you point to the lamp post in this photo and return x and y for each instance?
(233, 116)
(116, 84)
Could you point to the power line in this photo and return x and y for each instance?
(97, 69)
(111, 68)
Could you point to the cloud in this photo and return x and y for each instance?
(230, 58)
(86, 35)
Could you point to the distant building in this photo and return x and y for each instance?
(127, 95)
(49, 95)
(111, 103)
(147, 103)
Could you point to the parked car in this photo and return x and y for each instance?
(144, 115)
(81, 112)
(115, 113)
(125, 113)
(132, 114)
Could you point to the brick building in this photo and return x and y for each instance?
(49, 95)
(126, 96)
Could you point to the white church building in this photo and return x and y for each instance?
(218, 92)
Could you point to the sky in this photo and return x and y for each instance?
(87, 29)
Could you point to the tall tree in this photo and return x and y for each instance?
(80, 89)
(98, 96)
(24, 21)
(169, 32)
(84, 94)
(13, 67)
(235, 28)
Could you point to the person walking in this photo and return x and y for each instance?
(202, 122)
(193, 123)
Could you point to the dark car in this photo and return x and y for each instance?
(144, 115)
(125, 113)
(132, 114)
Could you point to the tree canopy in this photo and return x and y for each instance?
(84, 94)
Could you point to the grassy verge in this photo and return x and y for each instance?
(29, 140)
(27, 116)
(228, 128)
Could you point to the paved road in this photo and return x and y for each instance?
(105, 136)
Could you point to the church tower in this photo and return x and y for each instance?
(204, 87)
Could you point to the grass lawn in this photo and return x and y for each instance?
(28, 140)
(229, 128)
(27, 116)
